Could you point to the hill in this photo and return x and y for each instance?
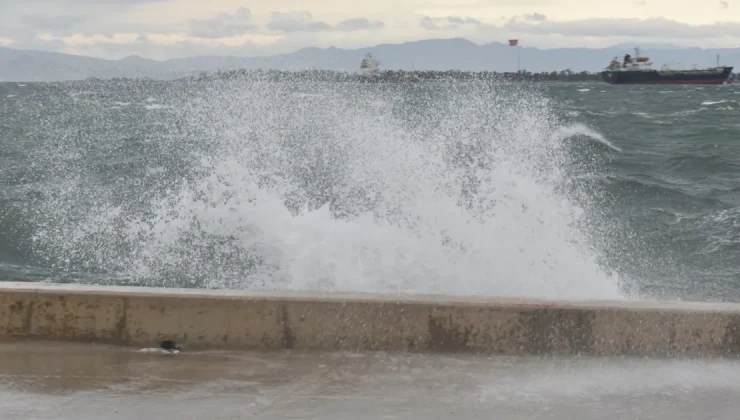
(433, 54)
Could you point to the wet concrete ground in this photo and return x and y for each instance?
(81, 381)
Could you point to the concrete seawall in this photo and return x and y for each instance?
(346, 321)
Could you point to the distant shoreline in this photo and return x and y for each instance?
(403, 76)
(396, 76)
(386, 76)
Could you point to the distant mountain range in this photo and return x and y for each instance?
(434, 54)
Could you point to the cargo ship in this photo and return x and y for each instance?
(639, 71)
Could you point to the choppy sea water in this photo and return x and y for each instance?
(547, 190)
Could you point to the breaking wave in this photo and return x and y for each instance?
(464, 189)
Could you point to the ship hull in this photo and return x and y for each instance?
(668, 77)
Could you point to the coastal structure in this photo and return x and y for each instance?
(369, 67)
(271, 320)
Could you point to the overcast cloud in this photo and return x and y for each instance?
(447, 23)
(637, 28)
(359, 24)
(164, 29)
(63, 23)
(223, 25)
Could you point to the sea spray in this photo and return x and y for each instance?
(454, 188)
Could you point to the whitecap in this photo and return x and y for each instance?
(579, 129)
(152, 107)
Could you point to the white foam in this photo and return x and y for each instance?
(156, 170)
(158, 350)
(307, 95)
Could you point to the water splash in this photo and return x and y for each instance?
(453, 189)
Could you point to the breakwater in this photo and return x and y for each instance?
(366, 322)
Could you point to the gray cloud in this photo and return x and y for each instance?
(304, 22)
(654, 27)
(446, 23)
(144, 47)
(724, 5)
(296, 22)
(53, 23)
(223, 25)
(428, 23)
(359, 24)
(535, 17)
(462, 21)
(86, 17)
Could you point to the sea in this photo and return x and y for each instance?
(547, 190)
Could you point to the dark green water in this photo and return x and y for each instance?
(568, 190)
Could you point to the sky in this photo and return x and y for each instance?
(164, 29)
